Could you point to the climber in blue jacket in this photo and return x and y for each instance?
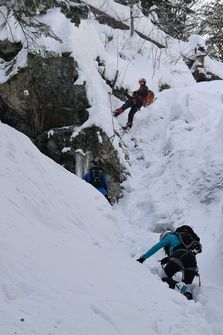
(97, 178)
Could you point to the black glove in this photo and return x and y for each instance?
(128, 95)
(141, 259)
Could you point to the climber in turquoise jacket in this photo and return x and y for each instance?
(178, 259)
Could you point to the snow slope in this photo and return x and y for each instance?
(64, 266)
(68, 258)
(176, 178)
(67, 270)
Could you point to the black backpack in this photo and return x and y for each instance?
(97, 177)
(189, 239)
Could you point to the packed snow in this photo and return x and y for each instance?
(68, 259)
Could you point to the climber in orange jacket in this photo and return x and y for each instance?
(135, 102)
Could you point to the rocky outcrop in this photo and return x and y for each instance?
(76, 152)
(196, 64)
(43, 102)
(10, 117)
(44, 94)
(9, 50)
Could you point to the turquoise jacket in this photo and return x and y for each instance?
(170, 240)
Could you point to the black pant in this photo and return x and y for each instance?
(135, 105)
(182, 260)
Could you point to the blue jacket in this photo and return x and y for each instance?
(170, 240)
(103, 190)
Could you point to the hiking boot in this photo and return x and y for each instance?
(188, 295)
(170, 281)
(126, 128)
(117, 112)
(181, 287)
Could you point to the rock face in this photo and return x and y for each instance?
(9, 50)
(43, 102)
(76, 152)
(44, 94)
(12, 118)
(197, 66)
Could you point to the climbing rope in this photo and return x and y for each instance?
(113, 125)
(199, 278)
(115, 132)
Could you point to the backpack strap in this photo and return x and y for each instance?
(194, 247)
(101, 176)
(179, 247)
(91, 174)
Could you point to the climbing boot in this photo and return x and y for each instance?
(117, 112)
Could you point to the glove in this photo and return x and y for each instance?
(141, 259)
(128, 95)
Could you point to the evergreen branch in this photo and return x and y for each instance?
(6, 20)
